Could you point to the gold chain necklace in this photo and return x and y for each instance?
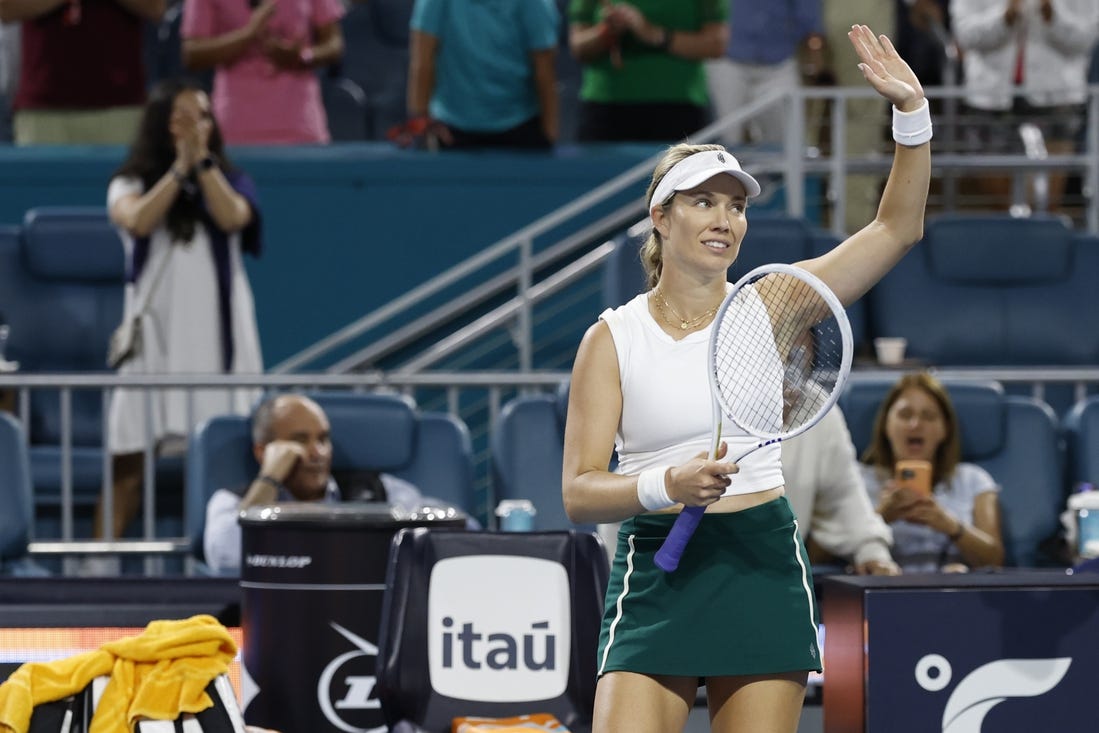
(684, 324)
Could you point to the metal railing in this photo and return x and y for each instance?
(390, 328)
(493, 388)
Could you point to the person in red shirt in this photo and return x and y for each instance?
(82, 75)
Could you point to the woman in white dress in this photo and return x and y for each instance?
(185, 215)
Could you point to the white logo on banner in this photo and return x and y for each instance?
(359, 687)
(499, 628)
(987, 686)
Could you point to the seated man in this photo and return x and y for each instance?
(826, 491)
(292, 443)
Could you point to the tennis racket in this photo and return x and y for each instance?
(780, 353)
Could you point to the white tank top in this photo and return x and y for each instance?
(666, 403)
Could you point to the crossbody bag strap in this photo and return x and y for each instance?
(157, 276)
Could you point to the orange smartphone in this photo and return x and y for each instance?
(915, 476)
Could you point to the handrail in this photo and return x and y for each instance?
(508, 244)
(495, 383)
(505, 312)
(792, 163)
(616, 220)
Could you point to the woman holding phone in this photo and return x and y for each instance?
(945, 513)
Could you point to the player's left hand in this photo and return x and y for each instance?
(886, 71)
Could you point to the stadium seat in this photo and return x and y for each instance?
(17, 517)
(771, 238)
(1082, 441)
(527, 608)
(61, 286)
(1000, 291)
(1014, 438)
(61, 290)
(379, 432)
(526, 447)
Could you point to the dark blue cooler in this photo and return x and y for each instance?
(312, 582)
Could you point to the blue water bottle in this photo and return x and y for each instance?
(516, 515)
(1084, 504)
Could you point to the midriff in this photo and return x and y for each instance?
(735, 502)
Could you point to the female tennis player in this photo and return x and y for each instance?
(738, 615)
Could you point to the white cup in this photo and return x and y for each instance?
(890, 350)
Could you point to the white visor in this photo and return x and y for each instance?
(697, 169)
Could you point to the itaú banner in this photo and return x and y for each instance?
(1002, 660)
(499, 628)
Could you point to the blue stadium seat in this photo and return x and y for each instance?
(526, 450)
(770, 238)
(18, 514)
(61, 290)
(1014, 438)
(544, 590)
(219, 455)
(15, 480)
(379, 432)
(1082, 441)
(61, 280)
(999, 291)
(526, 447)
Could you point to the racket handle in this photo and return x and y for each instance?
(667, 557)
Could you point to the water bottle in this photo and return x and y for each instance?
(1084, 504)
(517, 515)
(5, 331)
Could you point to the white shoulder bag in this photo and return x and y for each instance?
(125, 342)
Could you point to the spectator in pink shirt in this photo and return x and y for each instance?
(265, 89)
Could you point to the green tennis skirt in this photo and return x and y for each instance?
(740, 603)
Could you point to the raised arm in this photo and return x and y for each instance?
(139, 214)
(862, 260)
(229, 210)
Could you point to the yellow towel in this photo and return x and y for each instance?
(517, 724)
(158, 674)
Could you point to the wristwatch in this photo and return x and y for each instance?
(207, 163)
(306, 56)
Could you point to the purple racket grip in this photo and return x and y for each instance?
(667, 557)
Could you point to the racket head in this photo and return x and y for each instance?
(779, 353)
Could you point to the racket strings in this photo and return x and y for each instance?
(776, 366)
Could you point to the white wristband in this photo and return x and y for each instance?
(912, 128)
(651, 491)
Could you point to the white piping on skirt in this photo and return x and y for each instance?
(618, 604)
(808, 591)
